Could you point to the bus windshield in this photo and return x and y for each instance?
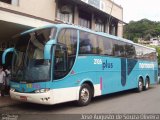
(28, 63)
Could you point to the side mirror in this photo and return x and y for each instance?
(47, 49)
(5, 53)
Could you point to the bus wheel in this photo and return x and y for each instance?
(140, 85)
(84, 95)
(147, 84)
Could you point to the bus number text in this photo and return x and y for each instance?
(97, 61)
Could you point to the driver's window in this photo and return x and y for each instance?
(65, 52)
(60, 59)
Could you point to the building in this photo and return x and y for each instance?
(19, 15)
(155, 41)
(152, 41)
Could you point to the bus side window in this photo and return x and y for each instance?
(101, 46)
(108, 46)
(130, 51)
(85, 46)
(93, 43)
(88, 43)
(147, 54)
(119, 49)
(139, 52)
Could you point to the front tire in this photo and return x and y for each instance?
(85, 95)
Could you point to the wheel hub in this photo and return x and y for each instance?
(84, 95)
(140, 85)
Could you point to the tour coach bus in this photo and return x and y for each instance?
(61, 63)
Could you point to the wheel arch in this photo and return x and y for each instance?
(147, 77)
(90, 83)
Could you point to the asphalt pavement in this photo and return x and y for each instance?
(127, 102)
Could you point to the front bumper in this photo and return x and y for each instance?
(40, 98)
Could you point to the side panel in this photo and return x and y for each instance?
(112, 74)
(108, 75)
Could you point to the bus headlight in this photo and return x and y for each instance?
(12, 89)
(42, 90)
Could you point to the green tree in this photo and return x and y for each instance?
(148, 36)
(135, 40)
(144, 29)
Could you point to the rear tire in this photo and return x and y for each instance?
(85, 95)
(147, 84)
(140, 85)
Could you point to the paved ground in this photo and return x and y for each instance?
(7, 101)
(146, 102)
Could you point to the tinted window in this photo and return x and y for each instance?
(95, 44)
(149, 54)
(101, 47)
(145, 53)
(68, 37)
(65, 52)
(60, 61)
(88, 43)
(119, 48)
(105, 46)
(130, 51)
(139, 52)
(153, 55)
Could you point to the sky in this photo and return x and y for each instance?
(139, 9)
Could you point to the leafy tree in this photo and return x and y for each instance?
(148, 36)
(144, 29)
(135, 40)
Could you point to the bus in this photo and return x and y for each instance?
(61, 63)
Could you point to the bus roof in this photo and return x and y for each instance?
(60, 26)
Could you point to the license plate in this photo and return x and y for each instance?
(23, 98)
